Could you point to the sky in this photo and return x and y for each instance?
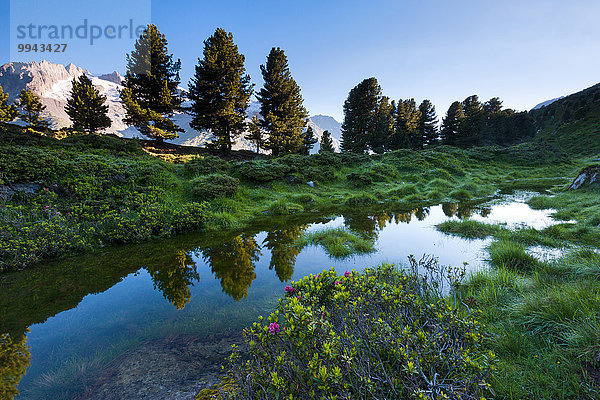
(524, 52)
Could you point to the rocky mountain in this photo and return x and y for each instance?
(52, 82)
(329, 124)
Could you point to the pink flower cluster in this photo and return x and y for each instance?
(274, 328)
(347, 274)
(289, 289)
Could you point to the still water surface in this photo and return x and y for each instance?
(155, 321)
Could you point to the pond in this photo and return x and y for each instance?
(157, 320)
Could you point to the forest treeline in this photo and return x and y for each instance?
(220, 91)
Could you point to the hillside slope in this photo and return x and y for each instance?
(572, 123)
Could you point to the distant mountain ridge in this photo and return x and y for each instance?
(572, 123)
(547, 103)
(52, 82)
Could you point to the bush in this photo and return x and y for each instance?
(213, 186)
(205, 165)
(262, 170)
(384, 334)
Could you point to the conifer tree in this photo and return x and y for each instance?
(31, 109)
(406, 125)
(361, 116)
(452, 123)
(473, 124)
(326, 145)
(8, 112)
(492, 107)
(255, 134)
(220, 90)
(379, 142)
(150, 94)
(427, 127)
(281, 106)
(308, 141)
(86, 107)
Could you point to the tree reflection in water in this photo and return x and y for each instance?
(14, 360)
(232, 262)
(175, 278)
(282, 243)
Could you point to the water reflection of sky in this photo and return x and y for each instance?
(222, 288)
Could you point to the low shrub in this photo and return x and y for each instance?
(262, 170)
(383, 333)
(205, 165)
(213, 186)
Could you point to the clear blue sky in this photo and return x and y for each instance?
(522, 51)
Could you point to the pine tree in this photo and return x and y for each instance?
(150, 94)
(452, 123)
(406, 125)
(281, 106)
(220, 90)
(308, 141)
(361, 116)
(86, 106)
(427, 127)
(384, 126)
(492, 106)
(31, 109)
(473, 124)
(255, 134)
(7, 112)
(326, 145)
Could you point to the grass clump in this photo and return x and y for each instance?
(460, 195)
(383, 333)
(361, 199)
(511, 255)
(468, 229)
(282, 207)
(337, 242)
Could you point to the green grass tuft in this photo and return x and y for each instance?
(337, 242)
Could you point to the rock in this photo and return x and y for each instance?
(311, 184)
(7, 191)
(588, 176)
